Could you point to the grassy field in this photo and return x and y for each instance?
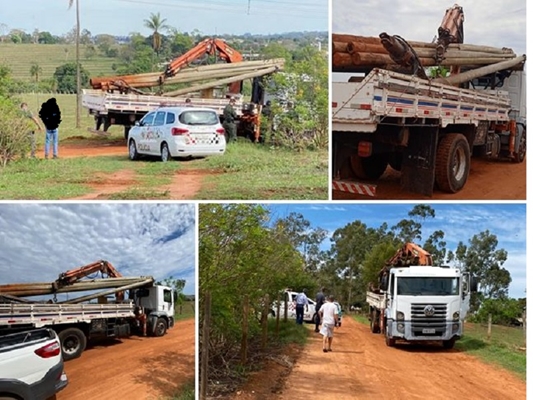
(505, 347)
(184, 311)
(246, 171)
(20, 57)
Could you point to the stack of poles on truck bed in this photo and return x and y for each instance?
(352, 53)
(15, 292)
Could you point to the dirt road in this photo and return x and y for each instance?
(488, 180)
(361, 366)
(135, 368)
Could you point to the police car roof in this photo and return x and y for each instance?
(180, 109)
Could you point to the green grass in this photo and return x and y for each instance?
(20, 57)
(289, 332)
(503, 348)
(185, 312)
(186, 392)
(249, 171)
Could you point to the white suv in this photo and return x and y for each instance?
(177, 132)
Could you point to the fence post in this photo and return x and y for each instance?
(266, 309)
(524, 317)
(489, 327)
(278, 306)
(244, 337)
(205, 346)
(286, 303)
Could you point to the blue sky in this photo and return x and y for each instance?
(500, 24)
(39, 241)
(120, 17)
(459, 222)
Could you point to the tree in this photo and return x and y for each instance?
(46, 38)
(177, 286)
(156, 24)
(35, 71)
(78, 67)
(66, 76)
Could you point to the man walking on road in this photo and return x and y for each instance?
(329, 315)
(320, 299)
(301, 302)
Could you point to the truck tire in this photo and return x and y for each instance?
(521, 151)
(391, 342)
(132, 150)
(369, 167)
(160, 327)
(452, 162)
(448, 344)
(73, 342)
(396, 160)
(374, 323)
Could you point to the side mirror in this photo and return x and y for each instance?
(137, 123)
(473, 284)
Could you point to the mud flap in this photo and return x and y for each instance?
(418, 168)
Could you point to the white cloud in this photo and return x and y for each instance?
(39, 241)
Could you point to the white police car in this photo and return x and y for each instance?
(177, 132)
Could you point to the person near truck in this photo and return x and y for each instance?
(319, 299)
(329, 316)
(50, 114)
(31, 135)
(230, 115)
(301, 303)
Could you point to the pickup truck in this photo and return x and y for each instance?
(31, 365)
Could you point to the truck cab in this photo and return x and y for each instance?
(157, 303)
(425, 303)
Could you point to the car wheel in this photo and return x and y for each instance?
(132, 150)
(165, 154)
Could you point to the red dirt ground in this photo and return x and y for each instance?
(136, 368)
(488, 180)
(361, 366)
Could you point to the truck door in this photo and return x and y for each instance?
(168, 302)
(465, 295)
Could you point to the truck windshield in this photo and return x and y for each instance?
(429, 286)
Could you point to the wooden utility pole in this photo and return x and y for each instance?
(204, 366)
(489, 327)
(78, 72)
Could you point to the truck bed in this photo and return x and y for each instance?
(40, 315)
(103, 102)
(359, 107)
(376, 300)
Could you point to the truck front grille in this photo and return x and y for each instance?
(423, 324)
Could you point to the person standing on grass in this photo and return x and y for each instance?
(329, 315)
(230, 116)
(31, 135)
(319, 299)
(50, 114)
(301, 303)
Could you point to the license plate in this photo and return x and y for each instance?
(428, 330)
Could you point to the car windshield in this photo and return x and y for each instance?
(198, 117)
(429, 286)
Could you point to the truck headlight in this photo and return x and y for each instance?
(401, 328)
(455, 327)
(456, 316)
(400, 316)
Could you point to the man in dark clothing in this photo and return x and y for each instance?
(301, 304)
(320, 299)
(51, 117)
(230, 115)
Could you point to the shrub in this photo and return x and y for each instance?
(14, 128)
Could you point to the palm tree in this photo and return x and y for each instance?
(35, 71)
(78, 75)
(156, 24)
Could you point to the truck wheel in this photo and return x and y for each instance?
(369, 167)
(160, 327)
(374, 325)
(452, 163)
(73, 342)
(395, 161)
(388, 340)
(165, 154)
(132, 150)
(521, 151)
(448, 344)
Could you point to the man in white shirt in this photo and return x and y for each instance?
(301, 302)
(329, 315)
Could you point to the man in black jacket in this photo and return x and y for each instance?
(50, 114)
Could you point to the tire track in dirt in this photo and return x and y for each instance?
(361, 366)
(137, 368)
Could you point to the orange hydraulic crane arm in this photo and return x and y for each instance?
(450, 31)
(74, 275)
(410, 254)
(206, 46)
